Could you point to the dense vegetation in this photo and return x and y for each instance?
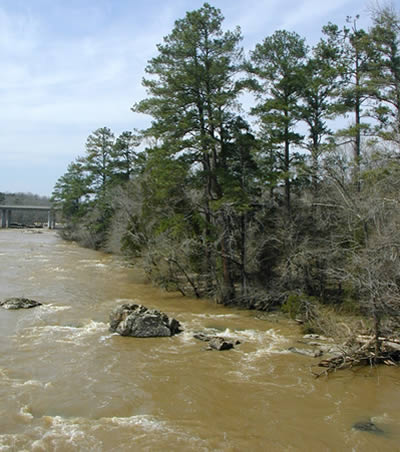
(292, 203)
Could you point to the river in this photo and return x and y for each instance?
(68, 384)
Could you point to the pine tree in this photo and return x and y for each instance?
(384, 80)
(71, 191)
(319, 100)
(192, 95)
(98, 160)
(278, 63)
(353, 46)
(124, 155)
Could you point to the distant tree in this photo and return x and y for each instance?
(125, 158)
(98, 160)
(71, 191)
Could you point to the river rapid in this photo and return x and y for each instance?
(68, 384)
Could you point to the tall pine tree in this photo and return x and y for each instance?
(193, 92)
(278, 63)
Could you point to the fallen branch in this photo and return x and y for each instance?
(362, 351)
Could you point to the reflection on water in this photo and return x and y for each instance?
(68, 384)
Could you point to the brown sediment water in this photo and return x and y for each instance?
(68, 384)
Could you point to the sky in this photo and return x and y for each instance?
(69, 67)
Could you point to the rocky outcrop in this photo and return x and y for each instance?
(19, 303)
(138, 321)
(216, 342)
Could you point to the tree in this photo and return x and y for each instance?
(98, 161)
(352, 45)
(124, 155)
(319, 95)
(71, 190)
(193, 92)
(384, 78)
(367, 242)
(278, 64)
(240, 190)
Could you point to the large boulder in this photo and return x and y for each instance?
(138, 321)
(19, 303)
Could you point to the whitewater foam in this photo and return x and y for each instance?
(60, 333)
(24, 414)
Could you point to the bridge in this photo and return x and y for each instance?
(6, 212)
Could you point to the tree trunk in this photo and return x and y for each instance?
(287, 167)
(357, 139)
(377, 330)
(228, 289)
(243, 244)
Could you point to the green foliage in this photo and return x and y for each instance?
(71, 191)
(98, 160)
(126, 161)
(384, 66)
(299, 306)
(192, 87)
(278, 65)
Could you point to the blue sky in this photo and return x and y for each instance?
(69, 67)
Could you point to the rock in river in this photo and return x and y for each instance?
(216, 342)
(368, 426)
(19, 303)
(138, 321)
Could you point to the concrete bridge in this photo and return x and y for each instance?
(6, 212)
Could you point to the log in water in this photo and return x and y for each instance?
(68, 384)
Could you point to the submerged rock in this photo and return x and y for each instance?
(19, 303)
(216, 342)
(138, 321)
(368, 426)
(202, 337)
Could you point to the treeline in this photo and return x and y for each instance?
(291, 210)
(25, 199)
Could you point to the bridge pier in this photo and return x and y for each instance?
(5, 218)
(51, 220)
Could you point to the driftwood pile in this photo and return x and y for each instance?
(363, 350)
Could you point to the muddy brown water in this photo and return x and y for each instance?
(68, 384)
